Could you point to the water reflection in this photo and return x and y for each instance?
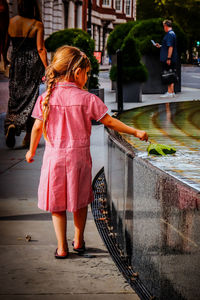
(176, 124)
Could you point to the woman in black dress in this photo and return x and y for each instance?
(28, 62)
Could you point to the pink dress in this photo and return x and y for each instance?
(66, 180)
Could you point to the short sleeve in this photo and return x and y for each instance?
(37, 111)
(170, 40)
(97, 108)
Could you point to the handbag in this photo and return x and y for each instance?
(169, 76)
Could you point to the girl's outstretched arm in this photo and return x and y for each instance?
(36, 134)
(121, 127)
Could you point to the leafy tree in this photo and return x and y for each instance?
(186, 13)
(80, 39)
(147, 9)
(116, 37)
(152, 29)
(133, 69)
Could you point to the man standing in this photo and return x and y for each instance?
(168, 54)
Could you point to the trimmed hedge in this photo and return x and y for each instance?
(152, 29)
(132, 68)
(116, 37)
(81, 40)
(134, 39)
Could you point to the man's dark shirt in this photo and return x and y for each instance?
(169, 40)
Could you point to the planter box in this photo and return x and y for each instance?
(100, 94)
(113, 59)
(113, 85)
(132, 92)
(154, 84)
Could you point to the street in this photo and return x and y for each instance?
(191, 77)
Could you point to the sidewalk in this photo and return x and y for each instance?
(28, 270)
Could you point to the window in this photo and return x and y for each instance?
(118, 5)
(97, 2)
(128, 7)
(106, 2)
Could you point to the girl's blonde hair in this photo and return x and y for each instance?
(63, 66)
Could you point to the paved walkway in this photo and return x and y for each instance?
(28, 270)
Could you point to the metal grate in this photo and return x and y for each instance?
(101, 216)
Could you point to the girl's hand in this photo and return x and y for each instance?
(29, 157)
(142, 135)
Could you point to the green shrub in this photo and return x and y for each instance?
(130, 74)
(152, 29)
(113, 73)
(116, 37)
(63, 37)
(81, 40)
(132, 68)
(134, 39)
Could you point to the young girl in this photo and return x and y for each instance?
(63, 114)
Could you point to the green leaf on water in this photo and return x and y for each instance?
(159, 149)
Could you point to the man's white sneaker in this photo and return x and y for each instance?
(168, 95)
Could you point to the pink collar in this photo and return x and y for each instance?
(66, 84)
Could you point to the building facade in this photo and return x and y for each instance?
(98, 17)
(105, 15)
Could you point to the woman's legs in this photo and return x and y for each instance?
(60, 224)
(80, 217)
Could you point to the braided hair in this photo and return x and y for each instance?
(65, 62)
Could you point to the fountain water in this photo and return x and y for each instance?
(154, 201)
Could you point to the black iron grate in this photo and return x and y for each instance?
(104, 226)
